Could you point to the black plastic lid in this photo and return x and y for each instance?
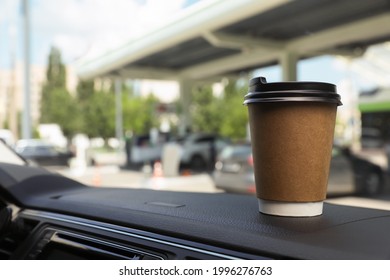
(261, 91)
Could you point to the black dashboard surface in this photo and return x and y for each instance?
(224, 220)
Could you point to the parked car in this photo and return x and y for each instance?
(234, 169)
(371, 138)
(348, 172)
(42, 152)
(199, 150)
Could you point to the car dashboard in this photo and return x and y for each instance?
(47, 216)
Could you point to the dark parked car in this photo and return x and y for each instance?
(43, 153)
(371, 138)
(348, 172)
(200, 150)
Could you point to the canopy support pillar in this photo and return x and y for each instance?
(289, 62)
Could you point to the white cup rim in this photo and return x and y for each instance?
(290, 209)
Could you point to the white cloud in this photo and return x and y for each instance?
(72, 45)
(9, 10)
(81, 26)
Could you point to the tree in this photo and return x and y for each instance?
(84, 93)
(224, 115)
(64, 111)
(206, 110)
(55, 73)
(139, 113)
(98, 111)
(98, 115)
(234, 124)
(57, 105)
(85, 90)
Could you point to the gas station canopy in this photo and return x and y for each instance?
(225, 37)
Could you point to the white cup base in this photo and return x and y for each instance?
(290, 209)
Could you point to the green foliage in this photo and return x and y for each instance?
(85, 90)
(139, 113)
(63, 110)
(57, 105)
(6, 124)
(224, 115)
(98, 115)
(206, 110)
(55, 73)
(98, 111)
(234, 124)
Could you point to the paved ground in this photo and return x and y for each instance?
(113, 176)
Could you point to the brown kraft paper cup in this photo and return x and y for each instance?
(292, 129)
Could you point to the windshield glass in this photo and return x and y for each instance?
(9, 156)
(149, 94)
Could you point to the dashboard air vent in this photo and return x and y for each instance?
(14, 236)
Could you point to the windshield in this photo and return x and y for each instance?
(149, 94)
(9, 156)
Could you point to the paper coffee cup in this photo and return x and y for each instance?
(292, 128)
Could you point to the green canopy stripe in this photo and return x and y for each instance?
(374, 107)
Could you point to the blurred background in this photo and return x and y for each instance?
(148, 93)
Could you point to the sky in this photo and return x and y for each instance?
(79, 27)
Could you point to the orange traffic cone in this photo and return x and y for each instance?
(157, 170)
(157, 180)
(97, 179)
(186, 172)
